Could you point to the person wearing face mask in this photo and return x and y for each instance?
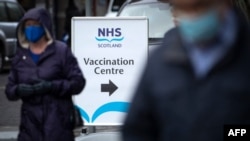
(197, 81)
(44, 75)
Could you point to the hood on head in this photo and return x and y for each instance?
(43, 17)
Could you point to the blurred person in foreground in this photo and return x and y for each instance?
(175, 16)
(197, 81)
(44, 75)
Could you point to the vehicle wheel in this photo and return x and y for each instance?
(1, 62)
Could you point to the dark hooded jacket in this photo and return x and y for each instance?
(171, 104)
(46, 117)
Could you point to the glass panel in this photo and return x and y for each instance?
(14, 11)
(159, 15)
(116, 5)
(3, 14)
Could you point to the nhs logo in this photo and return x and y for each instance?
(109, 37)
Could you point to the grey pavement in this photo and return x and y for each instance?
(9, 110)
(10, 133)
(101, 136)
(9, 113)
(10, 117)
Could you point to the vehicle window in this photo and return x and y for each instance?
(15, 12)
(3, 14)
(159, 15)
(116, 5)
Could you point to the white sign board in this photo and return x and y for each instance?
(112, 53)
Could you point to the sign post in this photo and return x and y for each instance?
(112, 53)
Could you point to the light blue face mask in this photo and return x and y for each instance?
(201, 29)
(34, 33)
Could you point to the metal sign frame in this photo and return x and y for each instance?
(120, 47)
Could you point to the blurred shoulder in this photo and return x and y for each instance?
(169, 39)
(170, 49)
(170, 35)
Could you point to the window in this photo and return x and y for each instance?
(159, 15)
(14, 11)
(3, 14)
(117, 4)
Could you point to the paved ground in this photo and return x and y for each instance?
(9, 110)
(10, 116)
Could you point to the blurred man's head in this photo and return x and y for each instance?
(198, 7)
(199, 20)
(191, 6)
(175, 16)
(188, 4)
